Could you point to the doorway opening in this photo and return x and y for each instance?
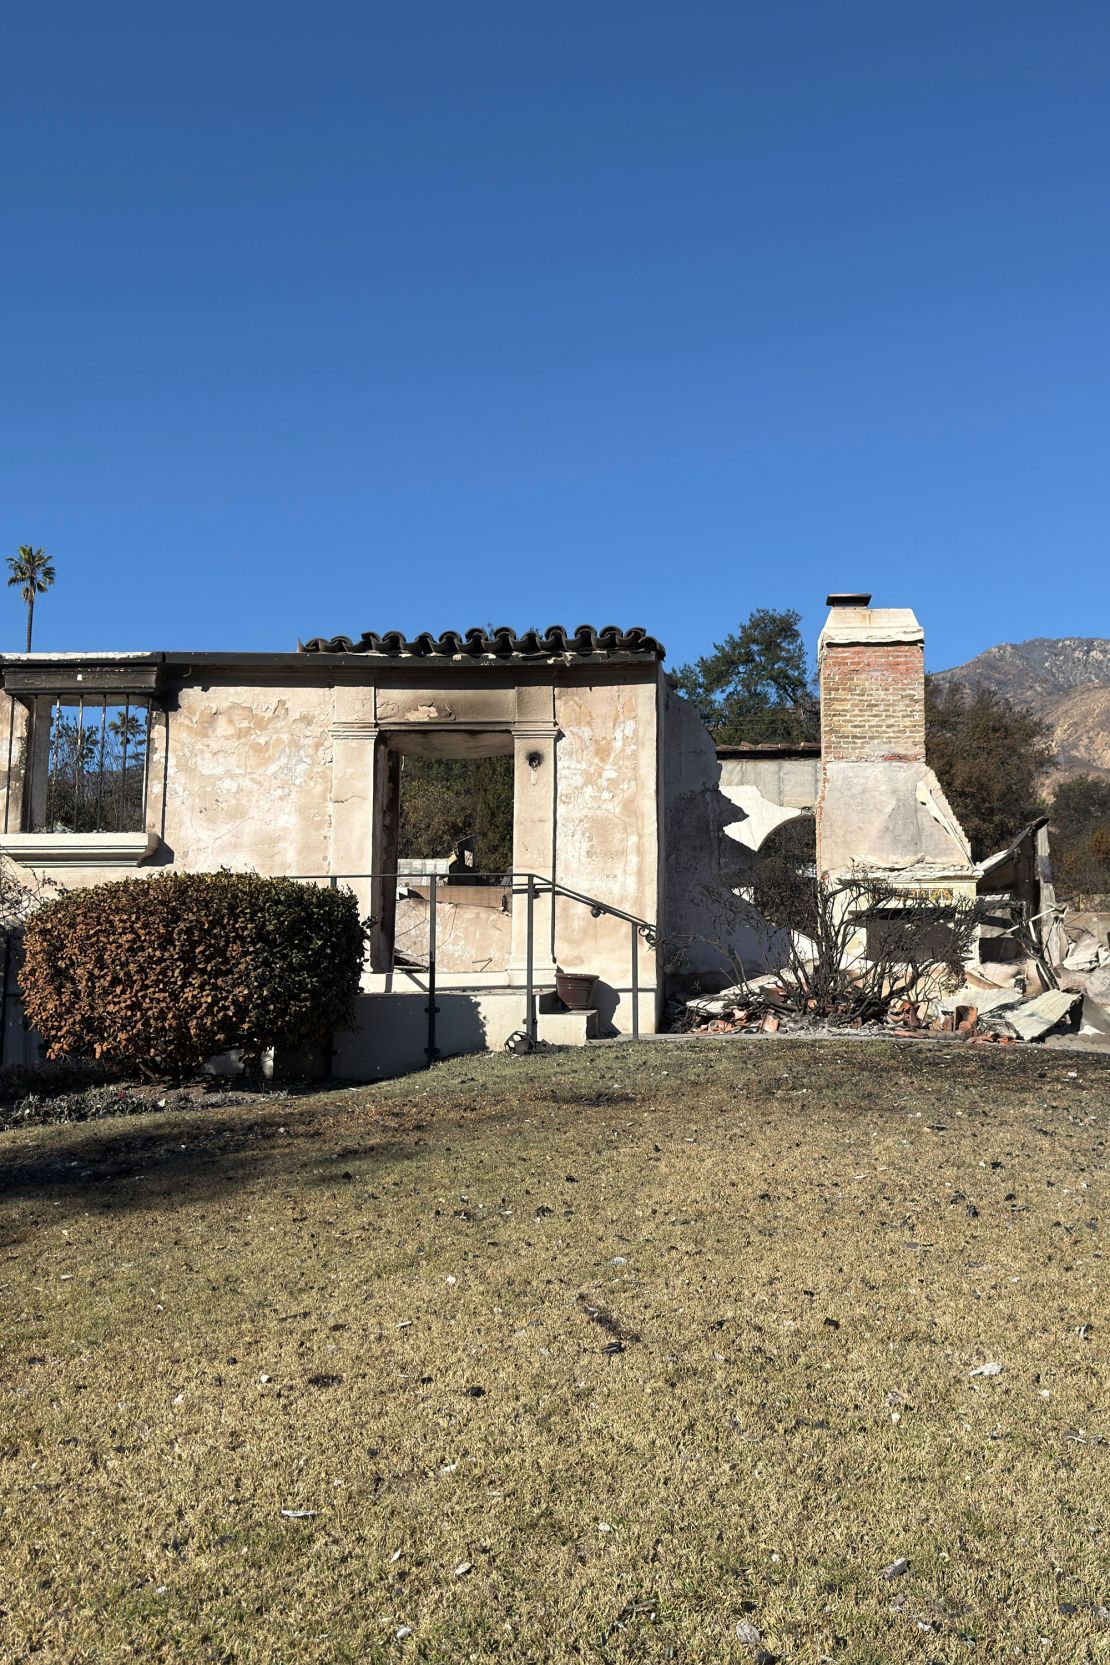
(452, 824)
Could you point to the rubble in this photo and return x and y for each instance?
(712, 1007)
(981, 1011)
(1094, 923)
(1095, 983)
(1037, 1018)
(744, 1005)
(983, 997)
(1009, 975)
(1033, 973)
(1093, 1018)
(1086, 955)
(1080, 1043)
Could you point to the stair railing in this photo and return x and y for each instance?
(531, 886)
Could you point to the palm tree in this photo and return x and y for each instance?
(127, 757)
(126, 726)
(33, 571)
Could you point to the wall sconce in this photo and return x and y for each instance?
(533, 760)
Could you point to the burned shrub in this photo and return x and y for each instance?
(842, 951)
(851, 947)
(160, 974)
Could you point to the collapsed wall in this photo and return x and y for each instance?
(704, 859)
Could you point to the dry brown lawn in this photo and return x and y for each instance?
(339, 1379)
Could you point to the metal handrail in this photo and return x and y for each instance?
(467, 875)
(644, 927)
(530, 885)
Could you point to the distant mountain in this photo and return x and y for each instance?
(1065, 680)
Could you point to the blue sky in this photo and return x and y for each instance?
(420, 314)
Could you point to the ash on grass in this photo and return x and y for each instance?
(37, 1095)
(239, 1412)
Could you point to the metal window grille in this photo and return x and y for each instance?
(89, 768)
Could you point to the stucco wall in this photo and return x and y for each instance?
(790, 782)
(891, 817)
(239, 776)
(14, 725)
(286, 774)
(247, 779)
(606, 835)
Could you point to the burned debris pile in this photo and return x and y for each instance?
(992, 1003)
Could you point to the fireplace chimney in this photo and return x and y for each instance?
(881, 810)
(872, 669)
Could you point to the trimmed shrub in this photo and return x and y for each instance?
(163, 973)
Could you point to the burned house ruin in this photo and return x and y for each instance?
(624, 814)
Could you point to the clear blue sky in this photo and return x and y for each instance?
(416, 313)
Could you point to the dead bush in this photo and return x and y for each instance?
(163, 973)
(844, 950)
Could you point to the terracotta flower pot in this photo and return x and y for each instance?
(576, 989)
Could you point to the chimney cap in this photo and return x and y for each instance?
(847, 599)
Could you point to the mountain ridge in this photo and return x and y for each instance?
(1065, 680)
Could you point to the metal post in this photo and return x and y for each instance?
(123, 768)
(530, 1025)
(635, 982)
(146, 764)
(8, 778)
(100, 765)
(430, 1049)
(78, 761)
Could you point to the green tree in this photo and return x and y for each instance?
(1080, 829)
(756, 684)
(444, 800)
(989, 756)
(33, 572)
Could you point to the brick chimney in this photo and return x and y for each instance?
(872, 669)
(881, 809)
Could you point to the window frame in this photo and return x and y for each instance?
(39, 689)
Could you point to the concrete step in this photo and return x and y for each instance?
(566, 1028)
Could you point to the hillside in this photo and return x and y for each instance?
(1065, 680)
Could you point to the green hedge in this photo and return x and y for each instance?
(163, 973)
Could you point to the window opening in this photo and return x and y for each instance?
(95, 756)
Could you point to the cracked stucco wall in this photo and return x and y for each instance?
(247, 779)
(606, 831)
